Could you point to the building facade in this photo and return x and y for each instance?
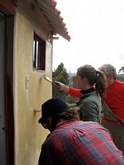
(27, 29)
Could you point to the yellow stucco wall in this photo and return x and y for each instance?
(29, 135)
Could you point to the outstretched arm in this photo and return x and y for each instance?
(72, 91)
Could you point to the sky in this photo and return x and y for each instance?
(96, 28)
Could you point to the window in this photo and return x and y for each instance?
(39, 46)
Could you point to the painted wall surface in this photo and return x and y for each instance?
(29, 134)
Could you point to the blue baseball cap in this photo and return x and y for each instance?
(52, 107)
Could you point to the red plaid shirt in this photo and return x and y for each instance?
(80, 143)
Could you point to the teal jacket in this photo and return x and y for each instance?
(90, 106)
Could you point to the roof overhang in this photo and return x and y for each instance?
(47, 11)
(52, 14)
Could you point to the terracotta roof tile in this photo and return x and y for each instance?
(50, 11)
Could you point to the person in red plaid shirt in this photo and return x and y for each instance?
(74, 142)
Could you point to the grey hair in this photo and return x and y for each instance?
(108, 69)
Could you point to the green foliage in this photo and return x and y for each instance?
(121, 70)
(120, 77)
(71, 99)
(60, 74)
(72, 81)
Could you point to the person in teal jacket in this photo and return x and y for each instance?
(92, 84)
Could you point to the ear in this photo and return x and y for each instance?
(85, 80)
(110, 76)
(49, 120)
(50, 124)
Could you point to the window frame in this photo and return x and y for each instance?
(39, 53)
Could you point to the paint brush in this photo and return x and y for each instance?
(47, 78)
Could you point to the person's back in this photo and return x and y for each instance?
(75, 142)
(90, 106)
